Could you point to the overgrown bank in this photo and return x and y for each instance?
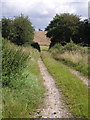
(75, 92)
(72, 55)
(21, 82)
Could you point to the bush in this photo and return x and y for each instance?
(36, 45)
(13, 61)
(71, 46)
(22, 85)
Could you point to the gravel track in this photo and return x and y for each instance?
(53, 106)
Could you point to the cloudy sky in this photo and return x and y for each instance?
(41, 12)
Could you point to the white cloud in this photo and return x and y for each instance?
(42, 11)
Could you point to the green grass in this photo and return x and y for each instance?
(87, 48)
(22, 86)
(75, 92)
(44, 47)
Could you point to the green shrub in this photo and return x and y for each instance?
(13, 61)
(36, 46)
(71, 46)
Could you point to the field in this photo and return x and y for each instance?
(40, 37)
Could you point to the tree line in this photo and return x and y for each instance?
(62, 29)
(66, 27)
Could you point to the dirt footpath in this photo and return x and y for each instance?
(53, 104)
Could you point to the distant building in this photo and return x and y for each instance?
(89, 11)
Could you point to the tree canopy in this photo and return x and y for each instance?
(65, 27)
(19, 30)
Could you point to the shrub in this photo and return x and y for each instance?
(13, 61)
(22, 85)
(36, 45)
(71, 46)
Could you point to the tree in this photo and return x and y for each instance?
(19, 30)
(40, 29)
(6, 27)
(23, 32)
(84, 32)
(62, 28)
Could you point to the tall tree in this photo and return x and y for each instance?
(18, 30)
(23, 30)
(62, 28)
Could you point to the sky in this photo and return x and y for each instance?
(41, 12)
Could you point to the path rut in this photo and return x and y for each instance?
(53, 104)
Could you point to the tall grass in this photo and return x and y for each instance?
(21, 82)
(72, 55)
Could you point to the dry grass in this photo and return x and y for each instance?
(76, 59)
(74, 56)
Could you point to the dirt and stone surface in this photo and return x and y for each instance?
(53, 106)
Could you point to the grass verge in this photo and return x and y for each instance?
(75, 92)
(22, 86)
(73, 55)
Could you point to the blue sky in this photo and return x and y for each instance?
(41, 12)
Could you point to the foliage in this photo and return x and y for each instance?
(62, 28)
(36, 45)
(65, 27)
(74, 91)
(23, 30)
(22, 85)
(19, 30)
(40, 29)
(13, 61)
(71, 46)
(6, 27)
(84, 33)
(73, 55)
